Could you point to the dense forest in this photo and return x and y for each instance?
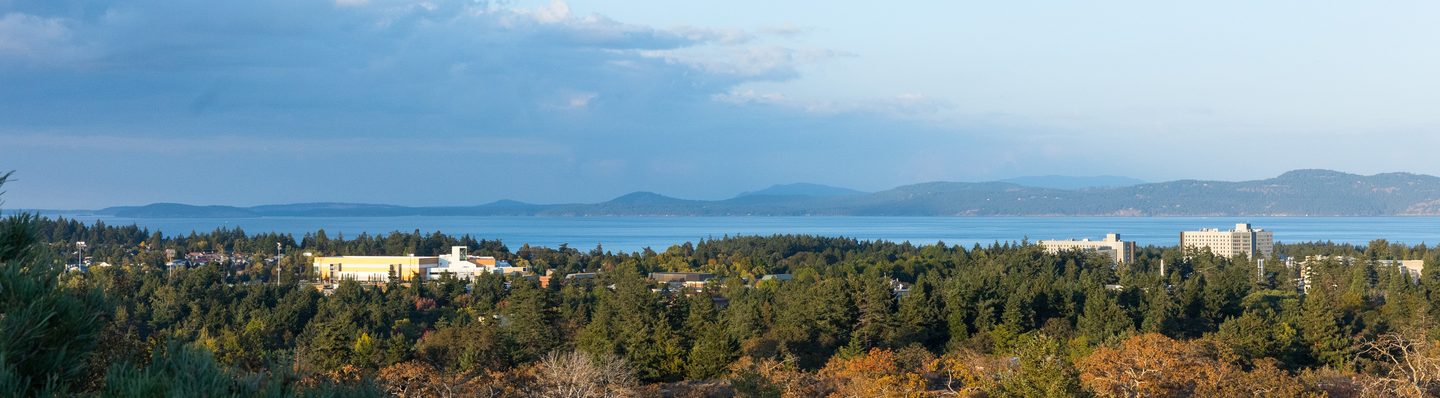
(858, 319)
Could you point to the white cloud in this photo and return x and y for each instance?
(36, 39)
(557, 11)
(718, 36)
(905, 105)
(580, 101)
(750, 62)
(785, 30)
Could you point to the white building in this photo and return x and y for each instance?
(460, 264)
(1252, 242)
(1112, 246)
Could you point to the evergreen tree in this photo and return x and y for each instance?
(875, 303)
(1043, 370)
(1161, 312)
(711, 354)
(48, 330)
(529, 312)
(1321, 332)
(1103, 320)
(918, 319)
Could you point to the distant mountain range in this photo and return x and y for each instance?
(1296, 193)
(1069, 182)
(803, 189)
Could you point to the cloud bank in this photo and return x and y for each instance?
(286, 100)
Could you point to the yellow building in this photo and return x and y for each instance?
(373, 268)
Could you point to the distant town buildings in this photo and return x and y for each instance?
(1119, 250)
(458, 264)
(1412, 268)
(777, 277)
(677, 280)
(1252, 242)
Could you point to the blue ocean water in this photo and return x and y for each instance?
(636, 233)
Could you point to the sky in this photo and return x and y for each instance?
(465, 102)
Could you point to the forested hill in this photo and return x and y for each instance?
(1296, 193)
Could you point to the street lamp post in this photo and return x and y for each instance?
(80, 255)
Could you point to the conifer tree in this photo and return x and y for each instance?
(48, 331)
(876, 308)
(531, 320)
(1320, 330)
(1103, 320)
(918, 319)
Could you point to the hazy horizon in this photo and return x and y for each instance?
(1051, 181)
(458, 102)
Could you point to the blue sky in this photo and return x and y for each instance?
(461, 102)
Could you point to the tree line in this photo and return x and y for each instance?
(859, 318)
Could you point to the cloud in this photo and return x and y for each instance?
(719, 36)
(753, 63)
(37, 40)
(274, 65)
(542, 104)
(557, 11)
(580, 101)
(908, 105)
(785, 30)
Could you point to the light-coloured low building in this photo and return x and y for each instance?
(459, 264)
(1412, 268)
(1119, 250)
(580, 276)
(777, 277)
(692, 280)
(1252, 242)
(373, 268)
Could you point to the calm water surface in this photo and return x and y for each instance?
(636, 233)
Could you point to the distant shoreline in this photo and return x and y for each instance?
(633, 233)
(1301, 193)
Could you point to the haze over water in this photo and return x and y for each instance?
(637, 233)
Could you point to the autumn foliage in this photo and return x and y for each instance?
(1152, 365)
(874, 374)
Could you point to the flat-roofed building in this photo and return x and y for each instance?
(580, 276)
(777, 277)
(1252, 242)
(693, 280)
(668, 277)
(461, 265)
(374, 268)
(1412, 268)
(1119, 250)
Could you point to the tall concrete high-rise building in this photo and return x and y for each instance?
(1252, 242)
(1121, 251)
